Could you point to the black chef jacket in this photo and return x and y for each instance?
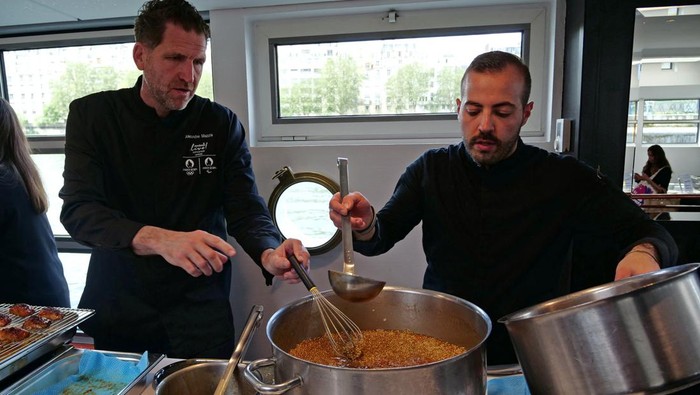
(127, 168)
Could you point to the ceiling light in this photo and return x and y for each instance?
(677, 59)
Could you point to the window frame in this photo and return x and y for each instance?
(82, 33)
(66, 35)
(261, 30)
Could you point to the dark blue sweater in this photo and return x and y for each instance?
(501, 237)
(32, 271)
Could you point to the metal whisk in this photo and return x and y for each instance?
(342, 333)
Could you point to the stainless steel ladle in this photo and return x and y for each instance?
(346, 284)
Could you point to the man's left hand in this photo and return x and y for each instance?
(641, 259)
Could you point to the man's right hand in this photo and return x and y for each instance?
(356, 206)
(196, 252)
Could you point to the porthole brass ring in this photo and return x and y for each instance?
(287, 178)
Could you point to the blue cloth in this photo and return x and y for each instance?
(510, 385)
(100, 374)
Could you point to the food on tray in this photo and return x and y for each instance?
(5, 319)
(13, 334)
(21, 309)
(381, 349)
(51, 313)
(36, 322)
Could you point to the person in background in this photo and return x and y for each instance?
(656, 173)
(155, 177)
(32, 271)
(499, 216)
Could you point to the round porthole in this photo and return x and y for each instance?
(299, 208)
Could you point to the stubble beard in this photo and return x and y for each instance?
(159, 93)
(503, 149)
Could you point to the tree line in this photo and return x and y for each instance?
(81, 79)
(337, 91)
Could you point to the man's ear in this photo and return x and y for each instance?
(139, 53)
(527, 111)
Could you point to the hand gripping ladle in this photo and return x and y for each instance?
(346, 284)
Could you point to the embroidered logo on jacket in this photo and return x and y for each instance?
(198, 159)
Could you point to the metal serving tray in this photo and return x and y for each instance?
(67, 364)
(16, 355)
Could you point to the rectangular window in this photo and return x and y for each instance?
(363, 78)
(51, 171)
(335, 78)
(671, 121)
(75, 266)
(43, 77)
(42, 82)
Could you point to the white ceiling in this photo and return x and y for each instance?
(663, 32)
(665, 29)
(27, 12)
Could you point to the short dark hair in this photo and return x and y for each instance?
(154, 14)
(497, 61)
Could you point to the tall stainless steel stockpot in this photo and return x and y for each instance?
(640, 335)
(432, 313)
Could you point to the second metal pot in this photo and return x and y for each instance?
(640, 335)
(432, 313)
(190, 376)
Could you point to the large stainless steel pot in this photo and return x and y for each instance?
(640, 335)
(432, 313)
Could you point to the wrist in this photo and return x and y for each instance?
(368, 231)
(646, 249)
(266, 254)
(146, 240)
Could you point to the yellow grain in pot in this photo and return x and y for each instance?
(380, 348)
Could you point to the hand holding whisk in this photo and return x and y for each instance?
(343, 334)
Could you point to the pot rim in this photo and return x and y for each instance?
(309, 299)
(176, 366)
(184, 367)
(591, 297)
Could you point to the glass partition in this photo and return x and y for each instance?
(664, 110)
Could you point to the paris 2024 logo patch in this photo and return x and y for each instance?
(199, 159)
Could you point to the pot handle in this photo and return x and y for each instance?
(264, 388)
(503, 370)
